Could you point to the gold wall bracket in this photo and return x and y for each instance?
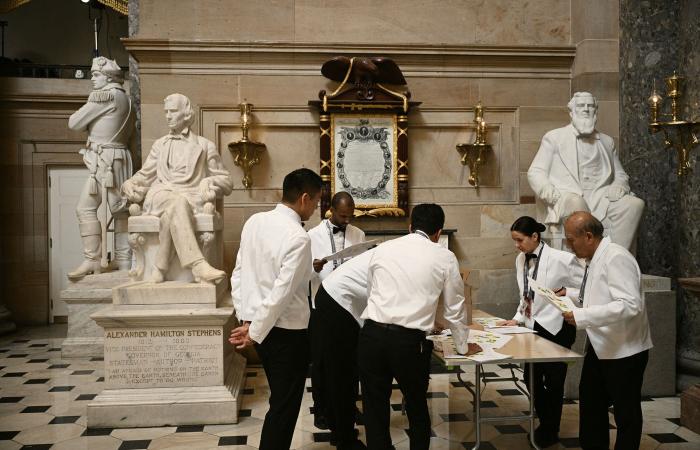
(679, 134)
(246, 153)
(476, 154)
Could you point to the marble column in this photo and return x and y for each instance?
(656, 38)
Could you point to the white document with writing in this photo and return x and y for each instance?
(353, 250)
(564, 304)
(510, 329)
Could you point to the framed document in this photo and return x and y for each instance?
(363, 128)
(364, 159)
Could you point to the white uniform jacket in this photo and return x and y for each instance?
(556, 269)
(556, 162)
(321, 247)
(613, 313)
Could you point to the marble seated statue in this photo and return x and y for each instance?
(109, 120)
(174, 212)
(577, 168)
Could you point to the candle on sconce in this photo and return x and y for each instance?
(655, 101)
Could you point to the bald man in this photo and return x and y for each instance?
(615, 319)
(331, 235)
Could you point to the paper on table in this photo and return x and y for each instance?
(488, 339)
(511, 330)
(488, 354)
(564, 304)
(353, 250)
(488, 322)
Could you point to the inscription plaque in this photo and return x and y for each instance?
(163, 357)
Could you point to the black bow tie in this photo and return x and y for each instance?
(338, 229)
(303, 224)
(529, 256)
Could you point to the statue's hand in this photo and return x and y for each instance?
(208, 190)
(615, 192)
(133, 192)
(550, 194)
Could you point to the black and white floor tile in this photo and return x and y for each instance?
(43, 400)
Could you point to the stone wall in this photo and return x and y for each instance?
(657, 38)
(521, 61)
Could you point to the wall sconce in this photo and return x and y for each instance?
(475, 154)
(684, 131)
(246, 153)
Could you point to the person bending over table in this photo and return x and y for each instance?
(554, 269)
(405, 277)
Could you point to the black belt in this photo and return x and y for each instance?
(394, 327)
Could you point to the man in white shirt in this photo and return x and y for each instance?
(406, 277)
(329, 236)
(269, 286)
(614, 316)
(340, 300)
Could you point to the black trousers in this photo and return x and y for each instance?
(384, 353)
(616, 381)
(338, 331)
(285, 358)
(549, 380)
(317, 379)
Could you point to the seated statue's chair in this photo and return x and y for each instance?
(143, 239)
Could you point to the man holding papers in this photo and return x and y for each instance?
(614, 316)
(330, 236)
(550, 268)
(406, 276)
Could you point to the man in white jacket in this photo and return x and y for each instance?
(615, 319)
(577, 169)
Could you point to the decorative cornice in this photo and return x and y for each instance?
(226, 57)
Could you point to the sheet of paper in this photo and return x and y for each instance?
(488, 354)
(353, 250)
(564, 304)
(511, 330)
(488, 339)
(488, 322)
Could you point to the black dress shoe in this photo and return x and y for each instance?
(320, 422)
(544, 440)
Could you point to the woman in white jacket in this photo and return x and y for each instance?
(556, 270)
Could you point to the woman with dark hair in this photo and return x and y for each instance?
(554, 269)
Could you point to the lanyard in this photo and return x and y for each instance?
(527, 292)
(333, 250)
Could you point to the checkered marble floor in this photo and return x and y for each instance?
(43, 400)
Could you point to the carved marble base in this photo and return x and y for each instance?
(660, 374)
(85, 297)
(152, 407)
(167, 358)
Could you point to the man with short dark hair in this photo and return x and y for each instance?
(406, 277)
(269, 286)
(329, 236)
(614, 316)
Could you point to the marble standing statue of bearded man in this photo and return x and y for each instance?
(577, 168)
(108, 118)
(183, 171)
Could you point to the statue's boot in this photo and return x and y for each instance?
(203, 272)
(90, 232)
(122, 251)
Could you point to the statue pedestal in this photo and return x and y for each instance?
(167, 358)
(85, 297)
(660, 374)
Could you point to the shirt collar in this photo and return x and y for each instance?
(289, 212)
(600, 250)
(184, 134)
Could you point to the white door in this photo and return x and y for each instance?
(65, 246)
